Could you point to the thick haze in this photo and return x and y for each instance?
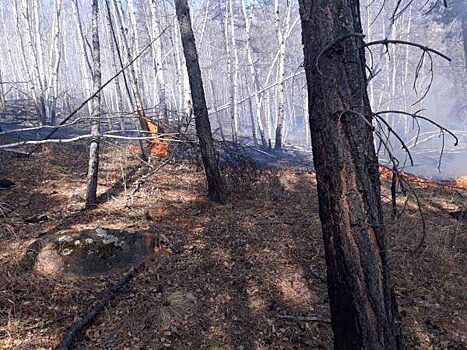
(391, 89)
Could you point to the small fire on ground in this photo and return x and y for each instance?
(387, 174)
(458, 182)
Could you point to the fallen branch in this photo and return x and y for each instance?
(84, 137)
(19, 154)
(304, 319)
(107, 296)
(263, 152)
(142, 179)
(318, 276)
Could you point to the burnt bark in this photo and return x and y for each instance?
(203, 127)
(363, 307)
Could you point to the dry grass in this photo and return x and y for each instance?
(240, 266)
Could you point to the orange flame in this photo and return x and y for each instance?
(424, 182)
(158, 147)
(460, 182)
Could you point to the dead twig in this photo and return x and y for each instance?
(304, 319)
(142, 179)
(317, 276)
(106, 296)
(386, 42)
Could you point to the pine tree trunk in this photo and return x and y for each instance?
(363, 306)
(93, 167)
(203, 127)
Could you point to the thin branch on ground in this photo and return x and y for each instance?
(106, 296)
(304, 319)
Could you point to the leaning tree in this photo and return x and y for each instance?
(216, 190)
(363, 307)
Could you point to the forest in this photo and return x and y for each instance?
(233, 174)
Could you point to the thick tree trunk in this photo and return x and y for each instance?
(93, 167)
(363, 307)
(203, 127)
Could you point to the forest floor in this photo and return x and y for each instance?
(238, 268)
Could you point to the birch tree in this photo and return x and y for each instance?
(161, 103)
(232, 68)
(55, 60)
(253, 74)
(93, 167)
(2, 94)
(84, 62)
(282, 39)
(35, 57)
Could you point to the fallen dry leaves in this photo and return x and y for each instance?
(240, 267)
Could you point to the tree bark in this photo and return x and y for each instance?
(161, 104)
(363, 306)
(232, 70)
(137, 100)
(203, 127)
(282, 39)
(85, 64)
(55, 63)
(253, 73)
(36, 59)
(464, 35)
(93, 167)
(2, 94)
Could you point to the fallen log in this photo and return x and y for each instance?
(106, 296)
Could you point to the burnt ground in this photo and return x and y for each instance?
(239, 268)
